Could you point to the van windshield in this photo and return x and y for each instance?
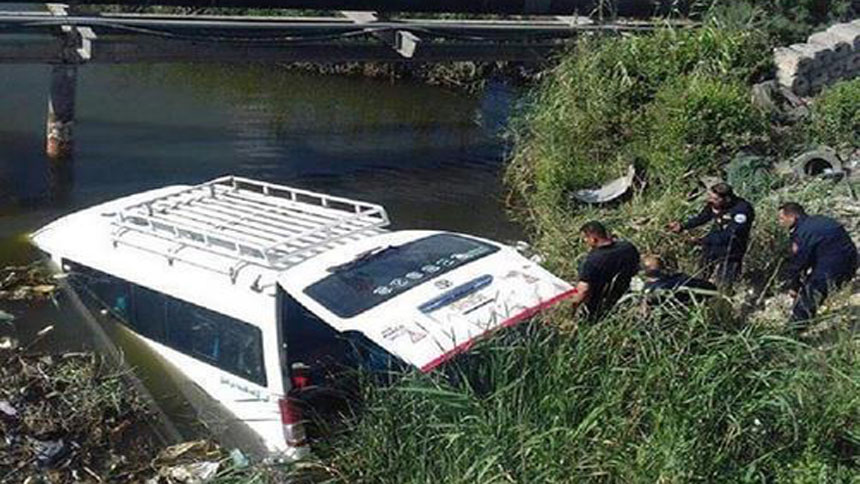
(381, 274)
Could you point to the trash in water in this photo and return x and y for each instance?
(238, 458)
(50, 452)
(174, 452)
(30, 282)
(4, 316)
(193, 473)
(7, 409)
(8, 343)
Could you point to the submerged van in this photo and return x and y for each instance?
(251, 289)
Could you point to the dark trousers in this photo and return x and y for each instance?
(812, 295)
(808, 299)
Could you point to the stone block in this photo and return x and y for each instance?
(836, 70)
(852, 63)
(840, 48)
(820, 54)
(792, 62)
(799, 85)
(848, 32)
(818, 79)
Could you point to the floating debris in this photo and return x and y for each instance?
(70, 418)
(8, 343)
(192, 473)
(30, 282)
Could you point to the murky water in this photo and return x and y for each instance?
(430, 156)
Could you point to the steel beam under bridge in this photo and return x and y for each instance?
(109, 49)
(623, 8)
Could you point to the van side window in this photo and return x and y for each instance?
(148, 317)
(313, 342)
(220, 340)
(309, 339)
(214, 338)
(106, 291)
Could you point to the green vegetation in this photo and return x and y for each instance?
(720, 393)
(835, 118)
(670, 397)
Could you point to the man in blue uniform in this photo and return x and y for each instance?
(723, 248)
(822, 251)
(684, 288)
(605, 274)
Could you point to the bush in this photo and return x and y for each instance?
(694, 124)
(611, 101)
(835, 116)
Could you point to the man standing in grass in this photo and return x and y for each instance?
(724, 247)
(604, 275)
(821, 247)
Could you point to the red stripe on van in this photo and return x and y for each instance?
(508, 322)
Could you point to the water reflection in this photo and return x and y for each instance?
(429, 155)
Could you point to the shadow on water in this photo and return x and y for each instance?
(432, 157)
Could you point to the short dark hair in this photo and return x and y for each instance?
(793, 208)
(594, 228)
(723, 190)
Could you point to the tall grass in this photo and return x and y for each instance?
(667, 397)
(657, 101)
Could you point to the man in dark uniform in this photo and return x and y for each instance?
(684, 288)
(604, 275)
(821, 247)
(723, 248)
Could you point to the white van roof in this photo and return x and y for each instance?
(244, 221)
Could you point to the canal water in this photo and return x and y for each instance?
(432, 157)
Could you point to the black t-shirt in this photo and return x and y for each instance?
(608, 271)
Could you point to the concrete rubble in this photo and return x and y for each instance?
(827, 57)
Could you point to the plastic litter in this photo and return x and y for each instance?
(608, 192)
(7, 410)
(240, 461)
(50, 452)
(194, 473)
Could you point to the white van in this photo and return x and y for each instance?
(238, 283)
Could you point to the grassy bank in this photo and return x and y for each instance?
(718, 393)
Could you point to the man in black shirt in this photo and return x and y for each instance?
(724, 247)
(822, 251)
(604, 275)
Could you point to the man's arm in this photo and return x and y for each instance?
(803, 248)
(703, 217)
(580, 295)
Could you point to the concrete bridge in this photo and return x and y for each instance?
(67, 39)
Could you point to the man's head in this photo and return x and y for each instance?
(789, 213)
(720, 195)
(652, 265)
(594, 234)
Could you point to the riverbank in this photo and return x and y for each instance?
(723, 392)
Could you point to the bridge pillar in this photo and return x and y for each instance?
(61, 112)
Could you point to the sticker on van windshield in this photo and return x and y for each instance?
(391, 333)
(362, 284)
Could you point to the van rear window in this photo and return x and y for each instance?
(383, 273)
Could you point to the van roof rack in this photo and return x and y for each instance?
(245, 222)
